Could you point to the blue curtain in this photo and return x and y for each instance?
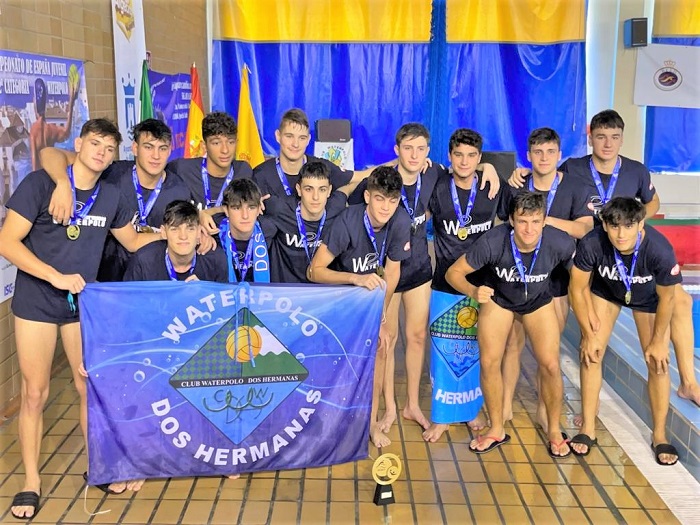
(672, 141)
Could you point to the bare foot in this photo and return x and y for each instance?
(118, 487)
(415, 414)
(479, 422)
(507, 416)
(487, 440)
(234, 476)
(559, 447)
(542, 416)
(379, 439)
(387, 420)
(690, 392)
(25, 511)
(578, 420)
(135, 484)
(435, 432)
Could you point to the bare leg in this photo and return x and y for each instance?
(379, 439)
(416, 304)
(545, 345)
(510, 369)
(592, 375)
(683, 344)
(658, 384)
(494, 325)
(392, 323)
(36, 343)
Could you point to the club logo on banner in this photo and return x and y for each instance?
(193, 379)
(667, 75)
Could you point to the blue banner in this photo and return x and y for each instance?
(171, 103)
(189, 379)
(454, 358)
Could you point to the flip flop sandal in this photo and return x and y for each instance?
(661, 448)
(26, 499)
(104, 487)
(564, 439)
(495, 443)
(583, 439)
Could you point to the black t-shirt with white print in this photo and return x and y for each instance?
(266, 177)
(493, 250)
(35, 299)
(656, 264)
(148, 264)
(349, 243)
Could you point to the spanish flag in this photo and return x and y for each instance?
(249, 147)
(194, 143)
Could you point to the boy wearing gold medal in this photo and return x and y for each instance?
(53, 264)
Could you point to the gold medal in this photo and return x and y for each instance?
(380, 271)
(73, 232)
(145, 229)
(462, 233)
(628, 297)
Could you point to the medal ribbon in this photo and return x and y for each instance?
(624, 276)
(171, 269)
(462, 217)
(416, 198)
(302, 232)
(605, 196)
(88, 205)
(519, 259)
(373, 239)
(283, 177)
(552, 191)
(256, 251)
(207, 190)
(145, 211)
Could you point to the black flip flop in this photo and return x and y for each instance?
(664, 448)
(495, 443)
(583, 439)
(26, 499)
(104, 487)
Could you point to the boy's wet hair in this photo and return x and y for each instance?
(102, 127)
(386, 181)
(180, 212)
(217, 124)
(527, 203)
(622, 211)
(242, 191)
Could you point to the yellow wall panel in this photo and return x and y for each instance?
(324, 20)
(522, 21)
(677, 18)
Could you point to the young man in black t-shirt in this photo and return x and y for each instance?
(279, 176)
(244, 234)
(207, 177)
(175, 258)
(566, 210)
(301, 220)
(519, 258)
(625, 263)
(53, 264)
(365, 247)
(463, 208)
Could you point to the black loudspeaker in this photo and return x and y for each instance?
(503, 161)
(636, 32)
(333, 130)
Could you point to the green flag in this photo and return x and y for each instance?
(145, 96)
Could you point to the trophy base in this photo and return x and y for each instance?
(384, 495)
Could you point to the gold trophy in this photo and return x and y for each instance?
(386, 470)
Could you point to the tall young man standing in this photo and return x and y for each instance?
(54, 262)
(365, 247)
(519, 258)
(463, 208)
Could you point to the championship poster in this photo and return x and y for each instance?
(171, 103)
(189, 379)
(43, 102)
